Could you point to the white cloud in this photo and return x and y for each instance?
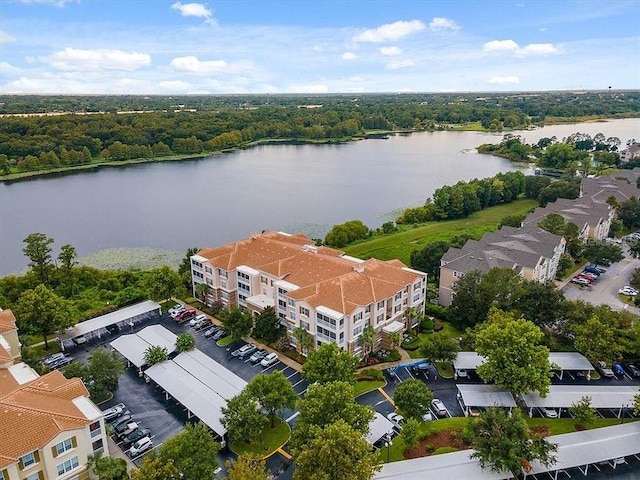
(196, 66)
(396, 64)
(510, 46)
(6, 69)
(56, 3)
(317, 48)
(500, 46)
(439, 24)
(100, 59)
(316, 88)
(543, 29)
(199, 10)
(511, 80)
(390, 51)
(349, 56)
(537, 49)
(390, 31)
(6, 38)
(174, 85)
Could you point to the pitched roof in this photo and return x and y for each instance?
(621, 184)
(581, 211)
(7, 321)
(34, 413)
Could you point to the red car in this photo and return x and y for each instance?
(188, 314)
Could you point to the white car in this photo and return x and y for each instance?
(114, 412)
(197, 320)
(140, 446)
(427, 417)
(628, 290)
(396, 419)
(269, 360)
(176, 310)
(550, 412)
(461, 373)
(439, 407)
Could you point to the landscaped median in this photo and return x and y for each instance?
(270, 441)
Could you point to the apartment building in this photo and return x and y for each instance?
(531, 251)
(630, 153)
(329, 294)
(9, 343)
(592, 218)
(621, 185)
(48, 425)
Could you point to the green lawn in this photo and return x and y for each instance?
(365, 386)
(400, 245)
(566, 425)
(272, 439)
(223, 342)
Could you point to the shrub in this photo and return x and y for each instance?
(394, 356)
(430, 447)
(437, 326)
(426, 324)
(437, 311)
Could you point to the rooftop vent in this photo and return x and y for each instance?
(359, 268)
(310, 248)
(255, 235)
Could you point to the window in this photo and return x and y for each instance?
(95, 429)
(198, 274)
(357, 317)
(243, 276)
(4, 475)
(416, 286)
(263, 280)
(196, 264)
(33, 476)
(381, 304)
(292, 315)
(29, 459)
(292, 302)
(97, 446)
(398, 295)
(63, 446)
(304, 311)
(368, 309)
(209, 270)
(356, 331)
(67, 466)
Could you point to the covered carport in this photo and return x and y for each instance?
(133, 346)
(591, 447)
(200, 384)
(472, 397)
(379, 428)
(617, 399)
(120, 317)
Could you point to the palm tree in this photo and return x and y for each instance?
(155, 354)
(367, 340)
(395, 338)
(304, 340)
(202, 290)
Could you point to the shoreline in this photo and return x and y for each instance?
(370, 135)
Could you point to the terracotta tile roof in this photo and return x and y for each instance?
(33, 413)
(5, 356)
(7, 321)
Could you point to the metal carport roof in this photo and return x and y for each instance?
(456, 465)
(562, 396)
(194, 395)
(219, 379)
(378, 427)
(133, 346)
(564, 360)
(485, 396)
(587, 447)
(103, 321)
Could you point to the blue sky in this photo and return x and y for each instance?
(241, 46)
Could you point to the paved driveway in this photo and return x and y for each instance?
(605, 289)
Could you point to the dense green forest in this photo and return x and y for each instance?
(80, 130)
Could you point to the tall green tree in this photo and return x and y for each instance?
(602, 253)
(345, 233)
(163, 283)
(596, 340)
(153, 468)
(155, 354)
(247, 468)
(41, 311)
(185, 342)
(193, 452)
(67, 261)
(273, 392)
(428, 258)
(338, 452)
(237, 322)
(242, 418)
(330, 363)
(440, 348)
(515, 358)
(184, 269)
(468, 307)
(367, 340)
(540, 303)
(268, 326)
(413, 398)
(108, 468)
(103, 371)
(304, 339)
(324, 405)
(38, 250)
(583, 412)
(504, 443)
(411, 433)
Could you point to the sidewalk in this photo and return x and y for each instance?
(115, 452)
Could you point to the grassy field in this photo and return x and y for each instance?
(400, 245)
(364, 386)
(272, 439)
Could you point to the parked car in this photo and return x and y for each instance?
(211, 331)
(631, 369)
(174, 311)
(590, 275)
(244, 350)
(628, 290)
(439, 407)
(427, 417)
(126, 418)
(269, 360)
(586, 277)
(618, 371)
(258, 355)
(79, 340)
(550, 412)
(593, 269)
(62, 362)
(49, 359)
(134, 436)
(604, 370)
(113, 329)
(125, 429)
(461, 373)
(195, 321)
(114, 412)
(580, 281)
(396, 419)
(220, 334)
(140, 446)
(185, 315)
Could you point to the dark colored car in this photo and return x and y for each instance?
(592, 269)
(126, 418)
(135, 436)
(63, 362)
(258, 355)
(631, 369)
(220, 334)
(617, 370)
(212, 331)
(113, 329)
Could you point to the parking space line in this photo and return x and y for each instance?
(386, 395)
(292, 416)
(409, 373)
(295, 372)
(283, 453)
(271, 366)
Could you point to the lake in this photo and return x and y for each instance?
(218, 199)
